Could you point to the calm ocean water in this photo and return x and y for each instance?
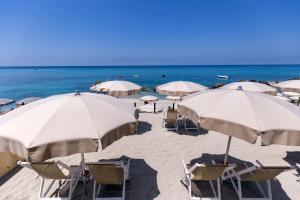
(21, 82)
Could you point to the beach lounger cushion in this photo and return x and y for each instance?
(207, 172)
(50, 170)
(263, 173)
(107, 174)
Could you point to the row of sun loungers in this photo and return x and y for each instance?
(235, 173)
(103, 173)
(117, 173)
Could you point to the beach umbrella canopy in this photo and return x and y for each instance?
(291, 94)
(283, 98)
(149, 98)
(180, 88)
(289, 86)
(62, 125)
(173, 98)
(251, 86)
(117, 88)
(27, 101)
(245, 115)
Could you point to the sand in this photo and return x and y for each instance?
(156, 168)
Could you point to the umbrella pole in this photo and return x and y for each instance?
(82, 158)
(83, 172)
(227, 149)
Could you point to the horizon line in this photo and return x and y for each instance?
(143, 65)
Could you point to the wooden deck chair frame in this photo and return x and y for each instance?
(188, 128)
(166, 122)
(188, 180)
(59, 166)
(233, 175)
(117, 164)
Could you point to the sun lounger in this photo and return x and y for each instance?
(109, 173)
(170, 120)
(243, 173)
(209, 173)
(56, 171)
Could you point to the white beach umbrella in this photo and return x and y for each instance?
(180, 88)
(117, 88)
(251, 86)
(283, 98)
(149, 98)
(289, 86)
(245, 115)
(65, 124)
(173, 98)
(291, 94)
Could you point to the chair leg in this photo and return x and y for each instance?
(261, 189)
(240, 189)
(98, 190)
(124, 188)
(269, 189)
(71, 188)
(219, 188)
(213, 188)
(190, 187)
(94, 190)
(41, 189)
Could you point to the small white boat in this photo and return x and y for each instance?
(223, 76)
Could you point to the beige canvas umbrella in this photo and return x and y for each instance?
(251, 86)
(289, 86)
(180, 88)
(149, 98)
(245, 115)
(173, 98)
(65, 124)
(117, 88)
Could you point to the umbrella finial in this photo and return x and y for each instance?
(77, 93)
(240, 88)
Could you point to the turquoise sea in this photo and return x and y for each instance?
(21, 82)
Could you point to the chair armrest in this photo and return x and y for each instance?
(24, 164)
(63, 165)
(186, 171)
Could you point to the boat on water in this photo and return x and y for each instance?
(223, 76)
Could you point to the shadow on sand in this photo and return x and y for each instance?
(249, 189)
(194, 133)
(10, 174)
(293, 157)
(142, 184)
(144, 127)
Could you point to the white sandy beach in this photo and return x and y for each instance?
(156, 167)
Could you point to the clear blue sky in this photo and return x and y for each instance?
(125, 32)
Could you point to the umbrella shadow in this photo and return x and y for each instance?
(293, 157)
(142, 183)
(194, 133)
(250, 189)
(144, 127)
(9, 174)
